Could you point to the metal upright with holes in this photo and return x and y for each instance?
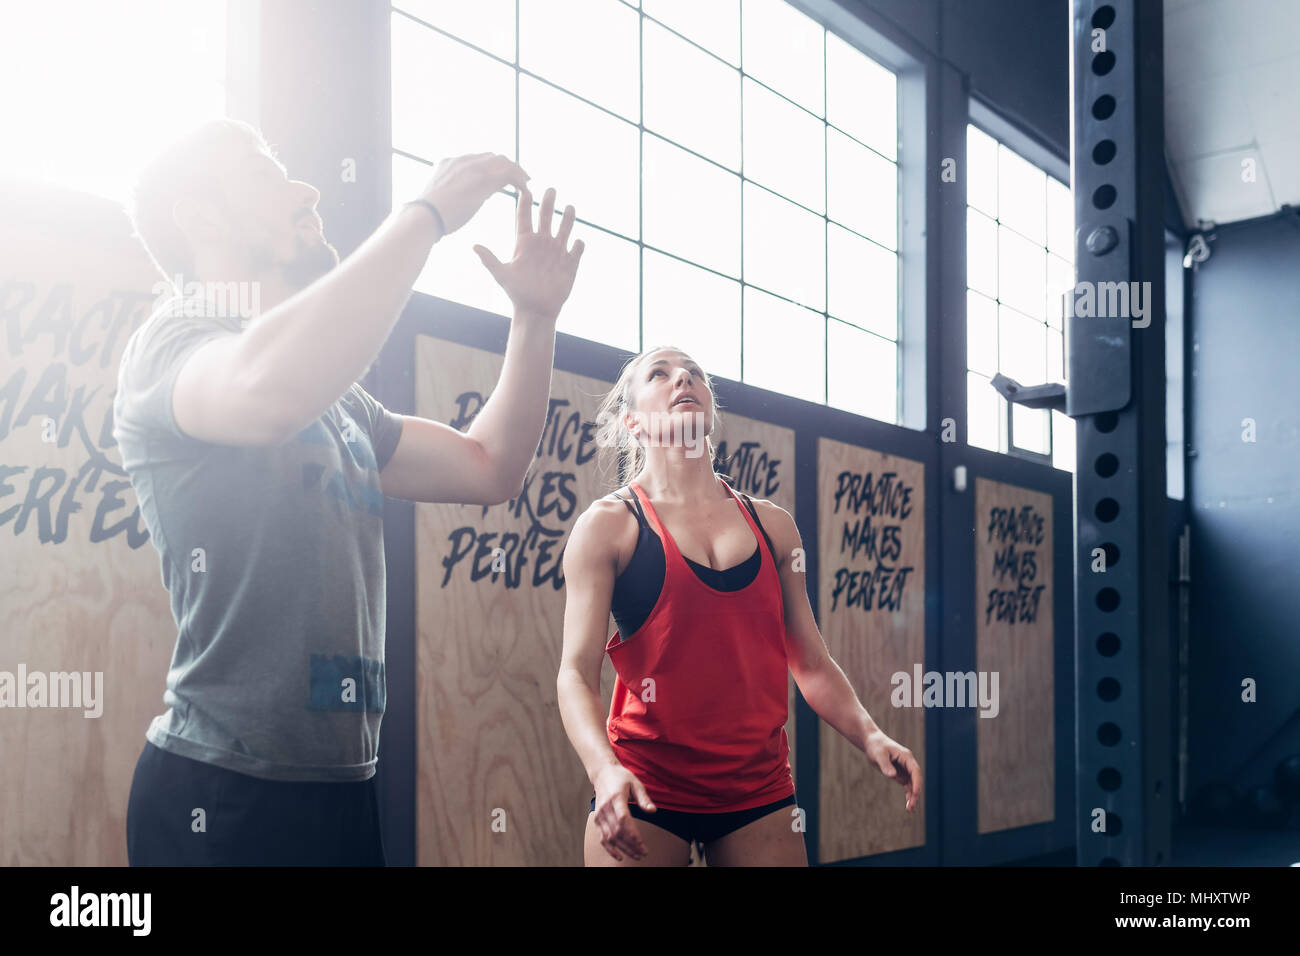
(1115, 393)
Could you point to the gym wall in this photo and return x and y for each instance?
(1242, 505)
(80, 587)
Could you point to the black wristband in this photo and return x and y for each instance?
(442, 226)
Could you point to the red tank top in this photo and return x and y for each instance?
(708, 735)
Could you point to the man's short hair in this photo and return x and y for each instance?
(185, 168)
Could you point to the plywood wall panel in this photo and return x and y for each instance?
(871, 530)
(1015, 639)
(80, 585)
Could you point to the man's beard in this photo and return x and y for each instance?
(309, 263)
(312, 261)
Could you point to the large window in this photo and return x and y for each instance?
(1019, 265)
(733, 164)
(93, 90)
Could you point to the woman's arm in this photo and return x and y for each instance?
(590, 565)
(821, 681)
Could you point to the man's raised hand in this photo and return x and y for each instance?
(462, 184)
(540, 275)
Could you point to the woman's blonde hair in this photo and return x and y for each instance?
(617, 449)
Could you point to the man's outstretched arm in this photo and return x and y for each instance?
(269, 382)
(487, 464)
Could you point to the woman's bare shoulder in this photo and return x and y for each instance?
(604, 524)
(776, 521)
(607, 506)
(768, 508)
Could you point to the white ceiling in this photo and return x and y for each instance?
(1231, 95)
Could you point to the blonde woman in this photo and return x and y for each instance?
(711, 616)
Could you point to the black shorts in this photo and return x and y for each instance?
(245, 820)
(703, 828)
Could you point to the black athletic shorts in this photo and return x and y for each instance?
(245, 820)
(702, 827)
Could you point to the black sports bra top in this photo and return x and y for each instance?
(637, 589)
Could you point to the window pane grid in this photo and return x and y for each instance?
(1020, 235)
(461, 40)
(826, 227)
(820, 119)
(1019, 207)
(650, 18)
(715, 7)
(862, 329)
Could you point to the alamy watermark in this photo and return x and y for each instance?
(949, 689)
(58, 689)
(1110, 300)
(209, 300)
(75, 909)
(668, 430)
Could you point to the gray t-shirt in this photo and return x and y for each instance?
(274, 559)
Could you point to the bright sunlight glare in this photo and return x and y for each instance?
(93, 89)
